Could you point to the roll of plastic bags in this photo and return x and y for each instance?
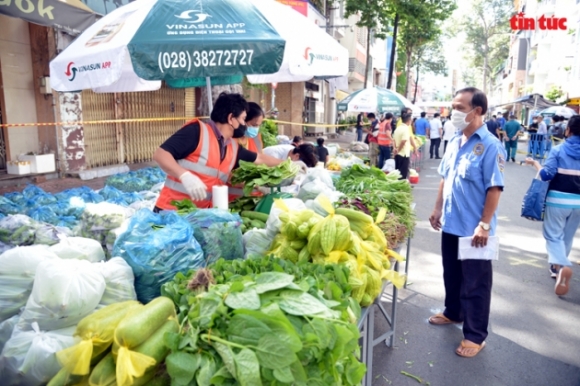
(17, 270)
(119, 280)
(218, 232)
(157, 254)
(6, 329)
(28, 358)
(256, 243)
(64, 292)
(79, 248)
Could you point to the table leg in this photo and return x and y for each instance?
(407, 261)
(370, 345)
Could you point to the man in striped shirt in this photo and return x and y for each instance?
(562, 217)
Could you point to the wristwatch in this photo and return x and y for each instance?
(486, 227)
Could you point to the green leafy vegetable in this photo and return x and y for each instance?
(253, 175)
(184, 206)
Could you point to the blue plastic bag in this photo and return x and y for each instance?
(8, 207)
(43, 214)
(16, 197)
(534, 202)
(31, 191)
(218, 232)
(157, 255)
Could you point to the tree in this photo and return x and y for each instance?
(374, 16)
(554, 93)
(487, 29)
(429, 58)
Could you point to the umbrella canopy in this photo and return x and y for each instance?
(565, 112)
(68, 15)
(144, 42)
(376, 99)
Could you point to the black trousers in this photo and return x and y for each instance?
(435, 144)
(402, 165)
(445, 146)
(467, 289)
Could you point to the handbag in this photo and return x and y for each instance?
(534, 202)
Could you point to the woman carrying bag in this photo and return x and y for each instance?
(562, 213)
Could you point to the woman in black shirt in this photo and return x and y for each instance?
(322, 151)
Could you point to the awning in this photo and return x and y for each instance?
(71, 16)
(532, 101)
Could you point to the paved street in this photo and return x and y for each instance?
(534, 335)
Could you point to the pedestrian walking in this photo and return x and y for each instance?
(562, 213)
(421, 125)
(512, 131)
(469, 192)
(402, 146)
(359, 126)
(385, 139)
(449, 132)
(372, 134)
(501, 120)
(434, 133)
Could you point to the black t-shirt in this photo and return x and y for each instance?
(185, 141)
(322, 153)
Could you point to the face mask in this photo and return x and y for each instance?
(240, 131)
(458, 119)
(252, 131)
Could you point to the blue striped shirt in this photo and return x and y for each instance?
(563, 200)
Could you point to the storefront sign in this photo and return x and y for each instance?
(298, 5)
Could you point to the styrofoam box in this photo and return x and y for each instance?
(18, 168)
(40, 163)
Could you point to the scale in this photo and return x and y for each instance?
(265, 204)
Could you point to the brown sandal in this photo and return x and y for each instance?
(440, 320)
(464, 344)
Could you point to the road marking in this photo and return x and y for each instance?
(531, 262)
(431, 175)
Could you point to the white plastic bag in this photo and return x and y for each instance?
(49, 234)
(119, 280)
(321, 175)
(6, 329)
(28, 358)
(17, 269)
(64, 292)
(389, 165)
(274, 224)
(256, 243)
(312, 189)
(79, 248)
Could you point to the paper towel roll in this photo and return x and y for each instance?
(220, 197)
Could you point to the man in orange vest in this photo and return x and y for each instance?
(385, 139)
(202, 155)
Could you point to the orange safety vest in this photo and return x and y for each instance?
(205, 163)
(383, 138)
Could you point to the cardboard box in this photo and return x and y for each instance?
(40, 163)
(15, 167)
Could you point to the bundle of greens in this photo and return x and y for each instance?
(269, 131)
(253, 175)
(244, 203)
(184, 206)
(361, 179)
(262, 329)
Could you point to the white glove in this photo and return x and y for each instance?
(194, 186)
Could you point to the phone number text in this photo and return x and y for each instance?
(209, 58)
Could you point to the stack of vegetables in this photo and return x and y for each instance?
(344, 236)
(250, 322)
(369, 190)
(252, 175)
(122, 344)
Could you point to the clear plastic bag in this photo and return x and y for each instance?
(28, 358)
(312, 189)
(103, 216)
(17, 271)
(218, 232)
(274, 224)
(157, 254)
(114, 234)
(64, 292)
(319, 175)
(17, 229)
(256, 243)
(79, 248)
(119, 279)
(6, 329)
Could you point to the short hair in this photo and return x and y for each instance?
(493, 116)
(320, 141)
(371, 116)
(512, 116)
(254, 111)
(436, 115)
(574, 125)
(388, 116)
(478, 98)
(227, 104)
(297, 139)
(423, 114)
(406, 117)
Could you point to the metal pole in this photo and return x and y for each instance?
(273, 98)
(209, 96)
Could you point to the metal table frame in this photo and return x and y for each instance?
(366, 326)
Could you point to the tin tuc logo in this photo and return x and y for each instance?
(71, 71)
(519, 21)
(308, 54)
